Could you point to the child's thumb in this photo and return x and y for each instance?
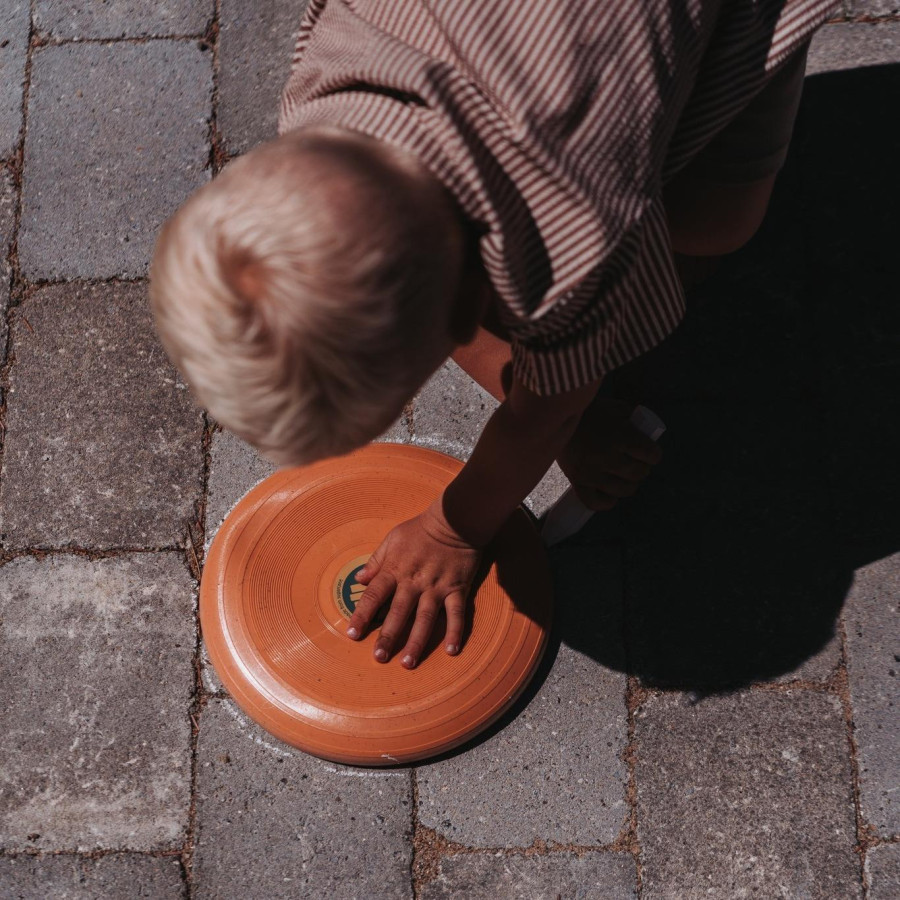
(369, 570)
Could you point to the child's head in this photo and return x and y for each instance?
(306, 293)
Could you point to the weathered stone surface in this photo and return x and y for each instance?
(449, 414)
(495, 876)
(134, 121)
(553, 772)
(236, 467)
(873, 9)
(121, 18)
(746, 795)
(872, 623)
(256, 41)
(883, 872)
(273, 822)
(14, 24)
(76, 878)
(96, 676)
(103, 443)
(845, 46)
(7, 223)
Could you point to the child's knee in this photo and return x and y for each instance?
(709, 219)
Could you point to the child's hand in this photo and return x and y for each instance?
(424, 564)
(607, 458)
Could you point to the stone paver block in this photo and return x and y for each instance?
(883, 872)
(7, 223)
(276, 823)
(73, 878)
(873, 9)
(103, 442)
(236, 467)
(746, 795)
(872, 625)
(14, 25)
(479, 876)
(732, 566)
(555, 771)
(256, 41)
(121, 18)
(449, 414)
(96, 676)
(134, 121)
(845, 46)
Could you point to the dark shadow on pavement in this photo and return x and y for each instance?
(780, 391)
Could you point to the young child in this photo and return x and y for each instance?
(507, 183)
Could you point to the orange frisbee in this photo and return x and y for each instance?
(279, 587)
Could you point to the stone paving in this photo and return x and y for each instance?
(716, 714)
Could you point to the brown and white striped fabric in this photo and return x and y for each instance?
(555, 124)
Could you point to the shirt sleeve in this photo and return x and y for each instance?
(618, 313)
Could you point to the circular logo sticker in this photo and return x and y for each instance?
(347, 590)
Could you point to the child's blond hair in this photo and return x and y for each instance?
(304, 296)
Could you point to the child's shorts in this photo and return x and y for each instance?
(755, 144)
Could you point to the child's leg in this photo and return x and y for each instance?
(717, 203)
(488, 361)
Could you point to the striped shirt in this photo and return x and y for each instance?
(555, 124)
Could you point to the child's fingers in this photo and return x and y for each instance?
(374, 597)
(402, 605)
(426, 615)
(370, 569)
(455, 605)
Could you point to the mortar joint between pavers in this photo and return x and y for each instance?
(628, 840)
(10, 853)
(840, 686)
(196, 543)
(218, 155)
(90, 553)
(40, 40)
(864, 19)
(17, 284)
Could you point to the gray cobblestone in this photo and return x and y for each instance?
(133, 120)
(883, 872)
(103, 442)
(502, 877)
(256, 41)
(14, 27)
(121, 18)
(872, 622)
(273, 822)
(96, 676)
(851, 46)
(745, 795)
(872, 8)
(555, 771)
(129, 875)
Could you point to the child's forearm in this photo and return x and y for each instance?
(510, 458)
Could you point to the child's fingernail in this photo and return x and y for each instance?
(408, 661)
(352, 633)
(381, 654)
(452, 649)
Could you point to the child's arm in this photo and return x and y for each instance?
(430, 561)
